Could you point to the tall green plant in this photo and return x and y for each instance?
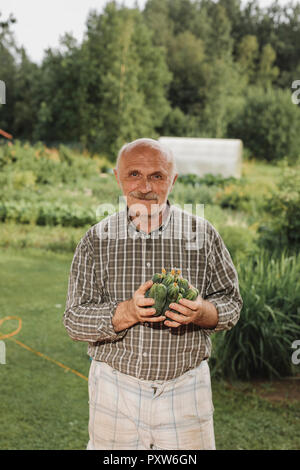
(259, 345)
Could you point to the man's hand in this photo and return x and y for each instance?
(199, 311)
(133, 311)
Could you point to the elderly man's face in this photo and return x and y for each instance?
(145, 177)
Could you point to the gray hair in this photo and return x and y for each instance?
(150, 143)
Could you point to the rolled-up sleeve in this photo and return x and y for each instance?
(222, 287)
(88, 315)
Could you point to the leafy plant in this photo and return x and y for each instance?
(259, 345)
(282, 227)
(233, 196)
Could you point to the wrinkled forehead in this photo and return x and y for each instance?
(145, 157)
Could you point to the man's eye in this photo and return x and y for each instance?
(134, 173)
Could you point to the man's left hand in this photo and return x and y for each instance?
(189, 311)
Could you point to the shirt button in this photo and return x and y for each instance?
(145, 354)
(146, 323)
(148, 265)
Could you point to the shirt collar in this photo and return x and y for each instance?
(163, 226)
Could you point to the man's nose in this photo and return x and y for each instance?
(145, 186)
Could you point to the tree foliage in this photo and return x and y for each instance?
(178, 67)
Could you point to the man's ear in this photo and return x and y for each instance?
(116, 175)
(175, 178)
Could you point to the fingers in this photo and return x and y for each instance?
(177, 318)
(146, 315)
(154, 319)
(145, 301)
(144, 287)
(172, 324)
(179, 308)
(145, 312)
(191, 304)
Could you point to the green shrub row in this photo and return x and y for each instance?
(209, 179)
(46, 166)
(46, 213)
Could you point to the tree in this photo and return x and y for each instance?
(222, 84)
(182, 14)
(27, 82)
(247, 56)
(125, 79)
(8, 54)
(158, 20)
(267, 72)
(60, 94)
(185, 60)
(268, 124)
(219, 43)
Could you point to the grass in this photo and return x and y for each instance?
(245, 421)
(261, 174)
(44, 407)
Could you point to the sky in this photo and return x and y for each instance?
(40, 23)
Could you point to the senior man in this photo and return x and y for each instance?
(149, 379)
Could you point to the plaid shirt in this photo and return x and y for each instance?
(110, 263)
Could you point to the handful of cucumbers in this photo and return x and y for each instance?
(168, 288)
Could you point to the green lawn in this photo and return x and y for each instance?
(45, 407)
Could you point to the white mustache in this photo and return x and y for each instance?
(145, 197)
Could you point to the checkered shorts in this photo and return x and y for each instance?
(128, 413)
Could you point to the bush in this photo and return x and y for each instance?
(282, 227)
(240, 241)
(24, 179)
(259, 345)
(233, 196)
(188, 194)
(268, 125)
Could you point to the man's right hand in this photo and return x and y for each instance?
(133, 311)
(138, 303)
